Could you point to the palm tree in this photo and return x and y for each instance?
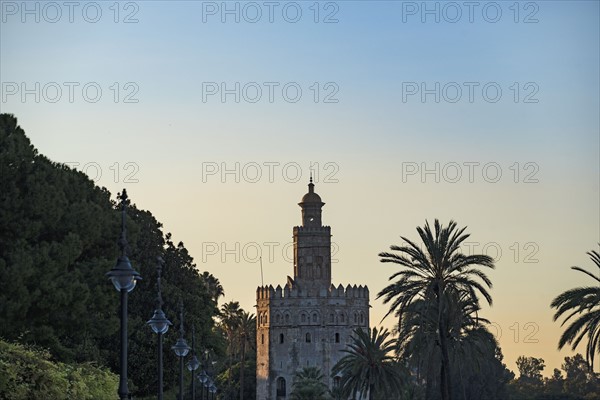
(308, 385)
(246, 332)
(369, 366)
(230, 317)
(430, 274)
(469, 340)
(583, 302)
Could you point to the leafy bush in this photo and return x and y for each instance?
(27, 373)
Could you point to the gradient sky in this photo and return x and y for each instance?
(367, 145)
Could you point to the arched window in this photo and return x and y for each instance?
(281, 338)
(287, 318)
(355, 318)
(342, 318)
(331, 318)
(315, 318)
(337, 337)
(308, 338)
(262, 339)
(281, 390)
(278, 318)
(303, 317)
(266, 319)
(362, 319)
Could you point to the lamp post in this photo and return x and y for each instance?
(203, 378)
(181, 349)
(208, 384)
(160, 325)
(124, 278)
(193, 364)
(213, 390)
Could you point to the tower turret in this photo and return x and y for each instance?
(311, 207)
(312, 244)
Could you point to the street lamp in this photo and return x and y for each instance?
(193, 364)
(203, 378)
(124, 278)
(181, 349)
(208, 384)
(160, 325)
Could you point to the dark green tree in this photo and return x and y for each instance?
(530, 369)
(58, 234)
(582, 307)
(369, 366)
(430, 274)
(246, 333)
(214, 287)
(580, 380)
(308, 385)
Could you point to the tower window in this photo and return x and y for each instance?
(281, 389)
(303, 317)
(331, 318)
(342, 318)
(362, 319)
(337, 337)
(355, 318)
(281, 338)
(308, 338)
(315, 317)
(287, 318)
(262, 339)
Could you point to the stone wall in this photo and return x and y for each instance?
(297, 328)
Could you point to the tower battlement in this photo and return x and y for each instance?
(301, 229)
(287, 291)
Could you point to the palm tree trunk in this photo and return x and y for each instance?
(431, 378)
(462, 383)
(445, 368)
(229, 361)
(243, 350)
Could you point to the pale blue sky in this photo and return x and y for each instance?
(370, 134)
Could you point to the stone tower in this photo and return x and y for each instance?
(308, 321)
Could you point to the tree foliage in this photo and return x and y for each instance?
(58, 235)
(237, 327)
(575, 382)
(369, 366)
(308, 385)
(439, 273)
(28, 373)
(582, 308)
(478, 371)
